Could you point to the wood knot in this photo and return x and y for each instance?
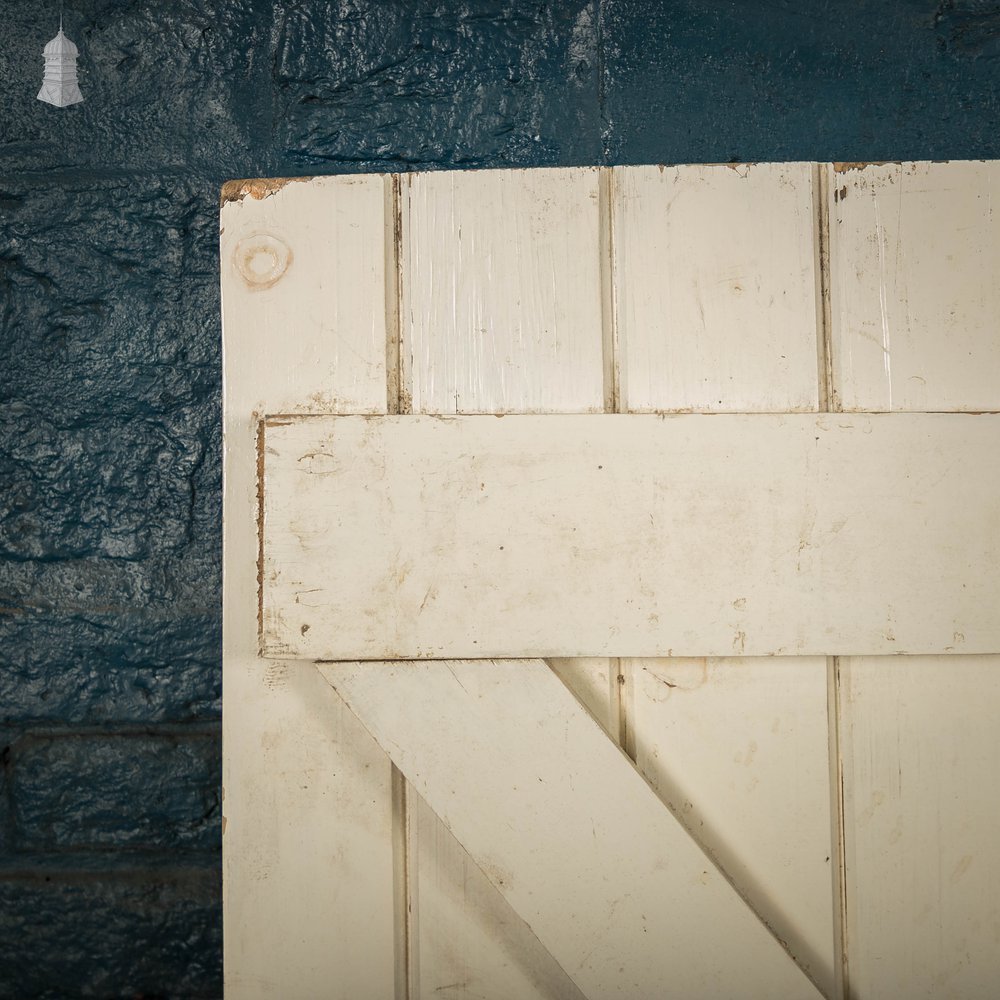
(261, 260)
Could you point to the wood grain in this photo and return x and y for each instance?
(921, 807)
(715, 284)
(502, 291)
(499, 313)
(915, 254)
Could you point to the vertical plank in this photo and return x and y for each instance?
(501, 313)
(307, 846)
(922, 813)
(502, 291)
(738, 747)
(717, 293)
(916, 252)
(915, 305)
(470, 931)
(716, 287)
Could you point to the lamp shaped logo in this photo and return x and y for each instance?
(59, 86)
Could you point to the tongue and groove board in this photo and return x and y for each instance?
(718, 309)
(500, 311)
(685, 535)
(632, 289)
(307, 833)
(915, 255)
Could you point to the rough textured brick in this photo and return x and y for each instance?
(122, 791)
(116, 666)
(111, 935)
(418, 82)
(695, 81)
(109, 410)
(162, 82)
(109, 407)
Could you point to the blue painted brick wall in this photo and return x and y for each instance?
(110, 364)
(120, 790)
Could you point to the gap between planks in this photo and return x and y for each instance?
(611, 342)
(829, 401)
(398, 394)
(827, 393)
(619, 677)
(838, 833)
(399, 400)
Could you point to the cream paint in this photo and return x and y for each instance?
(324, 328)
(307, 876)
(737, 746)
(465, 240)
(806, 533)
(545, 803)
(915, 252)
(918, 739)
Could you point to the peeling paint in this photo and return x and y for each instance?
(258, 188)
(844, 167)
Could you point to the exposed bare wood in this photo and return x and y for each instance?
(259, 188)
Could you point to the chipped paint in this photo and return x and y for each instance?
(257, 188)
(398, 396)
(843, 167)
(827, 394)
(882, 244)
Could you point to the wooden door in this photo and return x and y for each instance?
(708, 824)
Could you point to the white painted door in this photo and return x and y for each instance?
(579, 825)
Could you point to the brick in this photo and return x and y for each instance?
(411, 82)
(81, 667)
(123, 791)
(110, 935)
(708, 83)
(162, 84)
(110, 541)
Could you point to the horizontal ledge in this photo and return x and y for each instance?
(421, 537)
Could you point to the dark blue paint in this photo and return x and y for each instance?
(110, 930)
(109, 354)
(721, 80)
(139, 791)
